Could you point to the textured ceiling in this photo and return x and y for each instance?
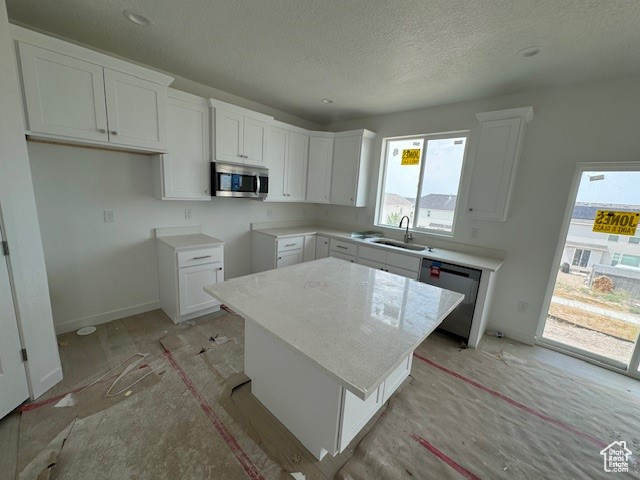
(370, 57)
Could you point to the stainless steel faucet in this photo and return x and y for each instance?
(408, 236)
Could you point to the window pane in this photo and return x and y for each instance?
(442, 171)
(400, 187)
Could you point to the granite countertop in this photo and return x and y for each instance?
(439, 254)
(354, 322)
(189, 241)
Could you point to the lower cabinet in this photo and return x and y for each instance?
(182, 276)
(343, 250)
(392, 262)
(286, 259)
(322, 247)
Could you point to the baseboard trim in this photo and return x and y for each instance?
(513, 334)
(100, 318)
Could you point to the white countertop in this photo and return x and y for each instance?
(439, 254)
(354, 322)
(189, 241)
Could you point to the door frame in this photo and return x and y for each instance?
(581, 167)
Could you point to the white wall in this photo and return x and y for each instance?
(595, 122)
(100, 271)
(20, 222)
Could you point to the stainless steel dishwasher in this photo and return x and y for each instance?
(459, 279)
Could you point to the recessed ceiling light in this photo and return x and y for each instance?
(326, 100)
(530, 51)
(137, 18)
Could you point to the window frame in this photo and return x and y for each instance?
(382, 177)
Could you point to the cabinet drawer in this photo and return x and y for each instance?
(372, 264)
(286, 244)
(403, 272)
(347, 248)
(408, 262)
(373, 254)
(199, 257)
(342, 256)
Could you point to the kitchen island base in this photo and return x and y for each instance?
(318, 410)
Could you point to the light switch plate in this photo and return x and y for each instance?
(108, 216)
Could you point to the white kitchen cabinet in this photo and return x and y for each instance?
(322, 247)
(136, 111)
(64, 96)
(320, 166)
(498, 151)
(351, 165)
(184, 269)
(288, 155)
(392, 262)
(289, 258)
(183, 173)
(309, 248)
(240, 135)
(79, 96)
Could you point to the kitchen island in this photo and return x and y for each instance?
(328, 341)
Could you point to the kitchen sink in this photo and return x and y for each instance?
(397, 244)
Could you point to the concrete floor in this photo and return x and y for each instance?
(181, 420)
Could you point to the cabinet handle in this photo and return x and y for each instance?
(113, 132)
(206, 191)
(102, 130)
(290, 245)
(279, 258)
(352, 200)
(219, 268)
(200, 258)
(342, 247)
(471, 209)
(240, 156)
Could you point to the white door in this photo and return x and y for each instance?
(296, 183)
(277, 158)
(228, 141)
(136, 111)
(494, 165)
(254, 141)
(322, 247)
(319, 172)
(191, 282)
(344, 178)
(64, 96)
(13, 378)
(186, 165)
(289, 258)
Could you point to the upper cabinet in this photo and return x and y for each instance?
(319, 170)
(240, 135)
(183, 173)
(499, 146)
(351, 163)
(76, 95)
(288, 154)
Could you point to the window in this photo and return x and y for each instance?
(635, 240)
(630, 260)
(581, 257)
(421, 179)
(613, 238)
(615, 260)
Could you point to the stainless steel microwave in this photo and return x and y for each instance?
(228, 180)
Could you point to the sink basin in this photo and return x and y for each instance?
(397, 244)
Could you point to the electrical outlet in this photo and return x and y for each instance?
(475, 232)
(523, 307)
(269, 212)
(108, 216)
(187, 213)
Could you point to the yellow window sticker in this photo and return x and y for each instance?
(618, 223)
(410, 156)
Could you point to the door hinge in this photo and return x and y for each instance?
(23, 352)
(5, 247)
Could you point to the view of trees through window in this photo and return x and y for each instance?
(421, 180)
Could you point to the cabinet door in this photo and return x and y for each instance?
(403, 272)
(228, 138)
(296, 167)
(319, 172)
(493, 169)
(63, 95)
(309, 248)
(322, 247)
(289, 258)
(191, 281)
(255, 141)
(372, 264)
(276, 160)
(136, 111)
(344, 177)
(186, 165)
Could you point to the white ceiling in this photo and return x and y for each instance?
(370, 57)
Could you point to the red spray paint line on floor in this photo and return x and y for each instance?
(515, 403)
(248, 466)
(445, 458)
